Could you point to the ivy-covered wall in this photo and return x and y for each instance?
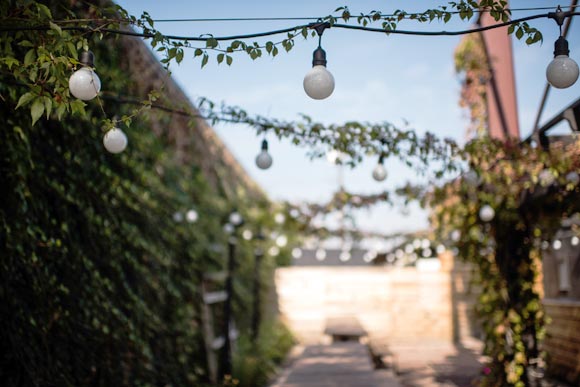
(98, 284)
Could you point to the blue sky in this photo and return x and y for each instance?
(378, 78)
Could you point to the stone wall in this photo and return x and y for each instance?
(400, 304)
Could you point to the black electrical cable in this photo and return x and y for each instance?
(383, 16)
(149, 35)
(281, 31)
(444, 33)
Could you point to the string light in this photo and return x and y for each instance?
(115, 140)
(319, 82)
(573, 177)
(379, 172)
(192, 216)
(486, 213)
(562, 72)
(236, 219)
(297, 253)
(247, 234)
(84, 83)
(264, 159)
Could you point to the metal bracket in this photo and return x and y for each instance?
(559, 16)
(319, 27)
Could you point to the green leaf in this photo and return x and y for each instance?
(220, 58)
(25, 99)
(198, 52)
(60, 110)
(72, 50)
(77, 106)
(179, 56)
(229, 60)
(43, 9)
(211, 43)
(36, 110)
(30, 57)
(55, 27)
(48, 106)
(204, 60)
(519, 33)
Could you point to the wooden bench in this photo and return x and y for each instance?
(344, 328)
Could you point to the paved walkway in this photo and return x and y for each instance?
(345, 364)
(411, 364)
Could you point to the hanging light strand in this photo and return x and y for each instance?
(284, 30)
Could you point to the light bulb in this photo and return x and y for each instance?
(297, 253)
(318, 82)
(115, 140)
(236, 218)
(546, 178)
(229, 228)
(562, 72)
(320, 254)
(247, 234)
(192, 216)
(379, 173)
(486, 213)
(344, 256)
(573, 177)
(282, 240)
(279, 218)
(84, 83)
(264, 160)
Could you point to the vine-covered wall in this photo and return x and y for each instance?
(98, 283)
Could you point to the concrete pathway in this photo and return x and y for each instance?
(345, 364)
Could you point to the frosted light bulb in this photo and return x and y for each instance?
(344, 256)
(264, 160)
(486, 213)
(573, 177)
(546, 178)
(84, 83)
(115, 140)
(192, 216)
(562, 72)
(282, 240)
(229, 228)
(379, 173)
(236, 218)
(318, 82)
